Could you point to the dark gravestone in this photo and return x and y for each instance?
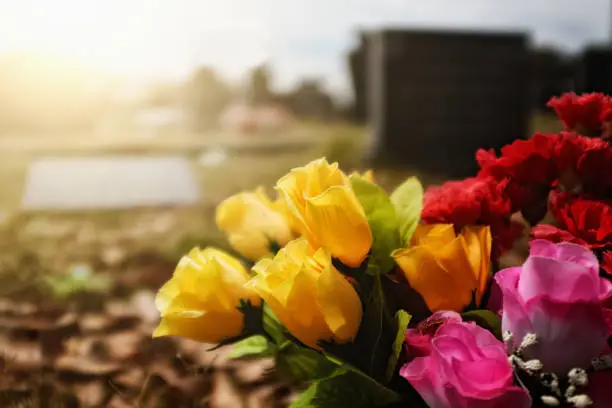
(357, 65)
(434, 98)
(552, 73)
(596, 70)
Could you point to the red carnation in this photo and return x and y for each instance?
(526, 166)
(583, 221)
(473, 201)
(581, 113)
(583, 163)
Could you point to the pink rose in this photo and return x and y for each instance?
(558, 295)
(466, 367)
(418, 340)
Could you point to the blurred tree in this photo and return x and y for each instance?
(310, 100)
(259, 88)
(207, 95)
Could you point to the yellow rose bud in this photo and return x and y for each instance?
(326, 210)
(253, 222)
(308, 295)
(200, 300)
(445, 268)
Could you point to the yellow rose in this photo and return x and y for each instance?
(326, 210)
(308, 295)
(252, 222)
(200, 300)
(447, 269)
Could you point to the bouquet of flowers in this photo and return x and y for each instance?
(372, 300)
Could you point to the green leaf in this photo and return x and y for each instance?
(382, 219)
(272, 326)
(485, 319)
(402, 318)
(80, 278)
(301, 363)
(253, 347)
(345, 388)
(408, 202)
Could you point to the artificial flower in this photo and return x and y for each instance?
(579, 220)
(448, 270)
(583, 163)
(253, 223)
(418, 340)
(323, 205)
(367, 175)
(557, 295)
(473, 201)
(581, 113)
(201, 299)
(525, 167)
(308, 295)
(466, 367)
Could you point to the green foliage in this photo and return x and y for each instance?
(301, 363)
(272, 326)
(80, 279)
(383, 222)
(408, 202)
(485, 319)
(371, 349)
(345, 387)
(253, 347)
(402, 319)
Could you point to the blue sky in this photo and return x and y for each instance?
(149, 39)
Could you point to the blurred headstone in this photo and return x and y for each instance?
(357, 66)
(553, 72)
(596, 70)
(434, 98)
(109, 182)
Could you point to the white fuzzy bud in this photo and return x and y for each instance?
(602, 362)
(507, 336)
(529, 340)
(550, 401)
(578, 377)
(580, 401)
(533, 365)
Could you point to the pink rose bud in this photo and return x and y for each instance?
(466, 367)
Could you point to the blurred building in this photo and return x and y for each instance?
(552, 73)
(357, 67)
(595, 69)
(432, 98)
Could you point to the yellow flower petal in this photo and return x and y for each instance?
(478, 243)
(253, 222)
(308, 295)
(447, 269)
(337, 222)
(342, 306)
(210, 327)
(200, 301)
